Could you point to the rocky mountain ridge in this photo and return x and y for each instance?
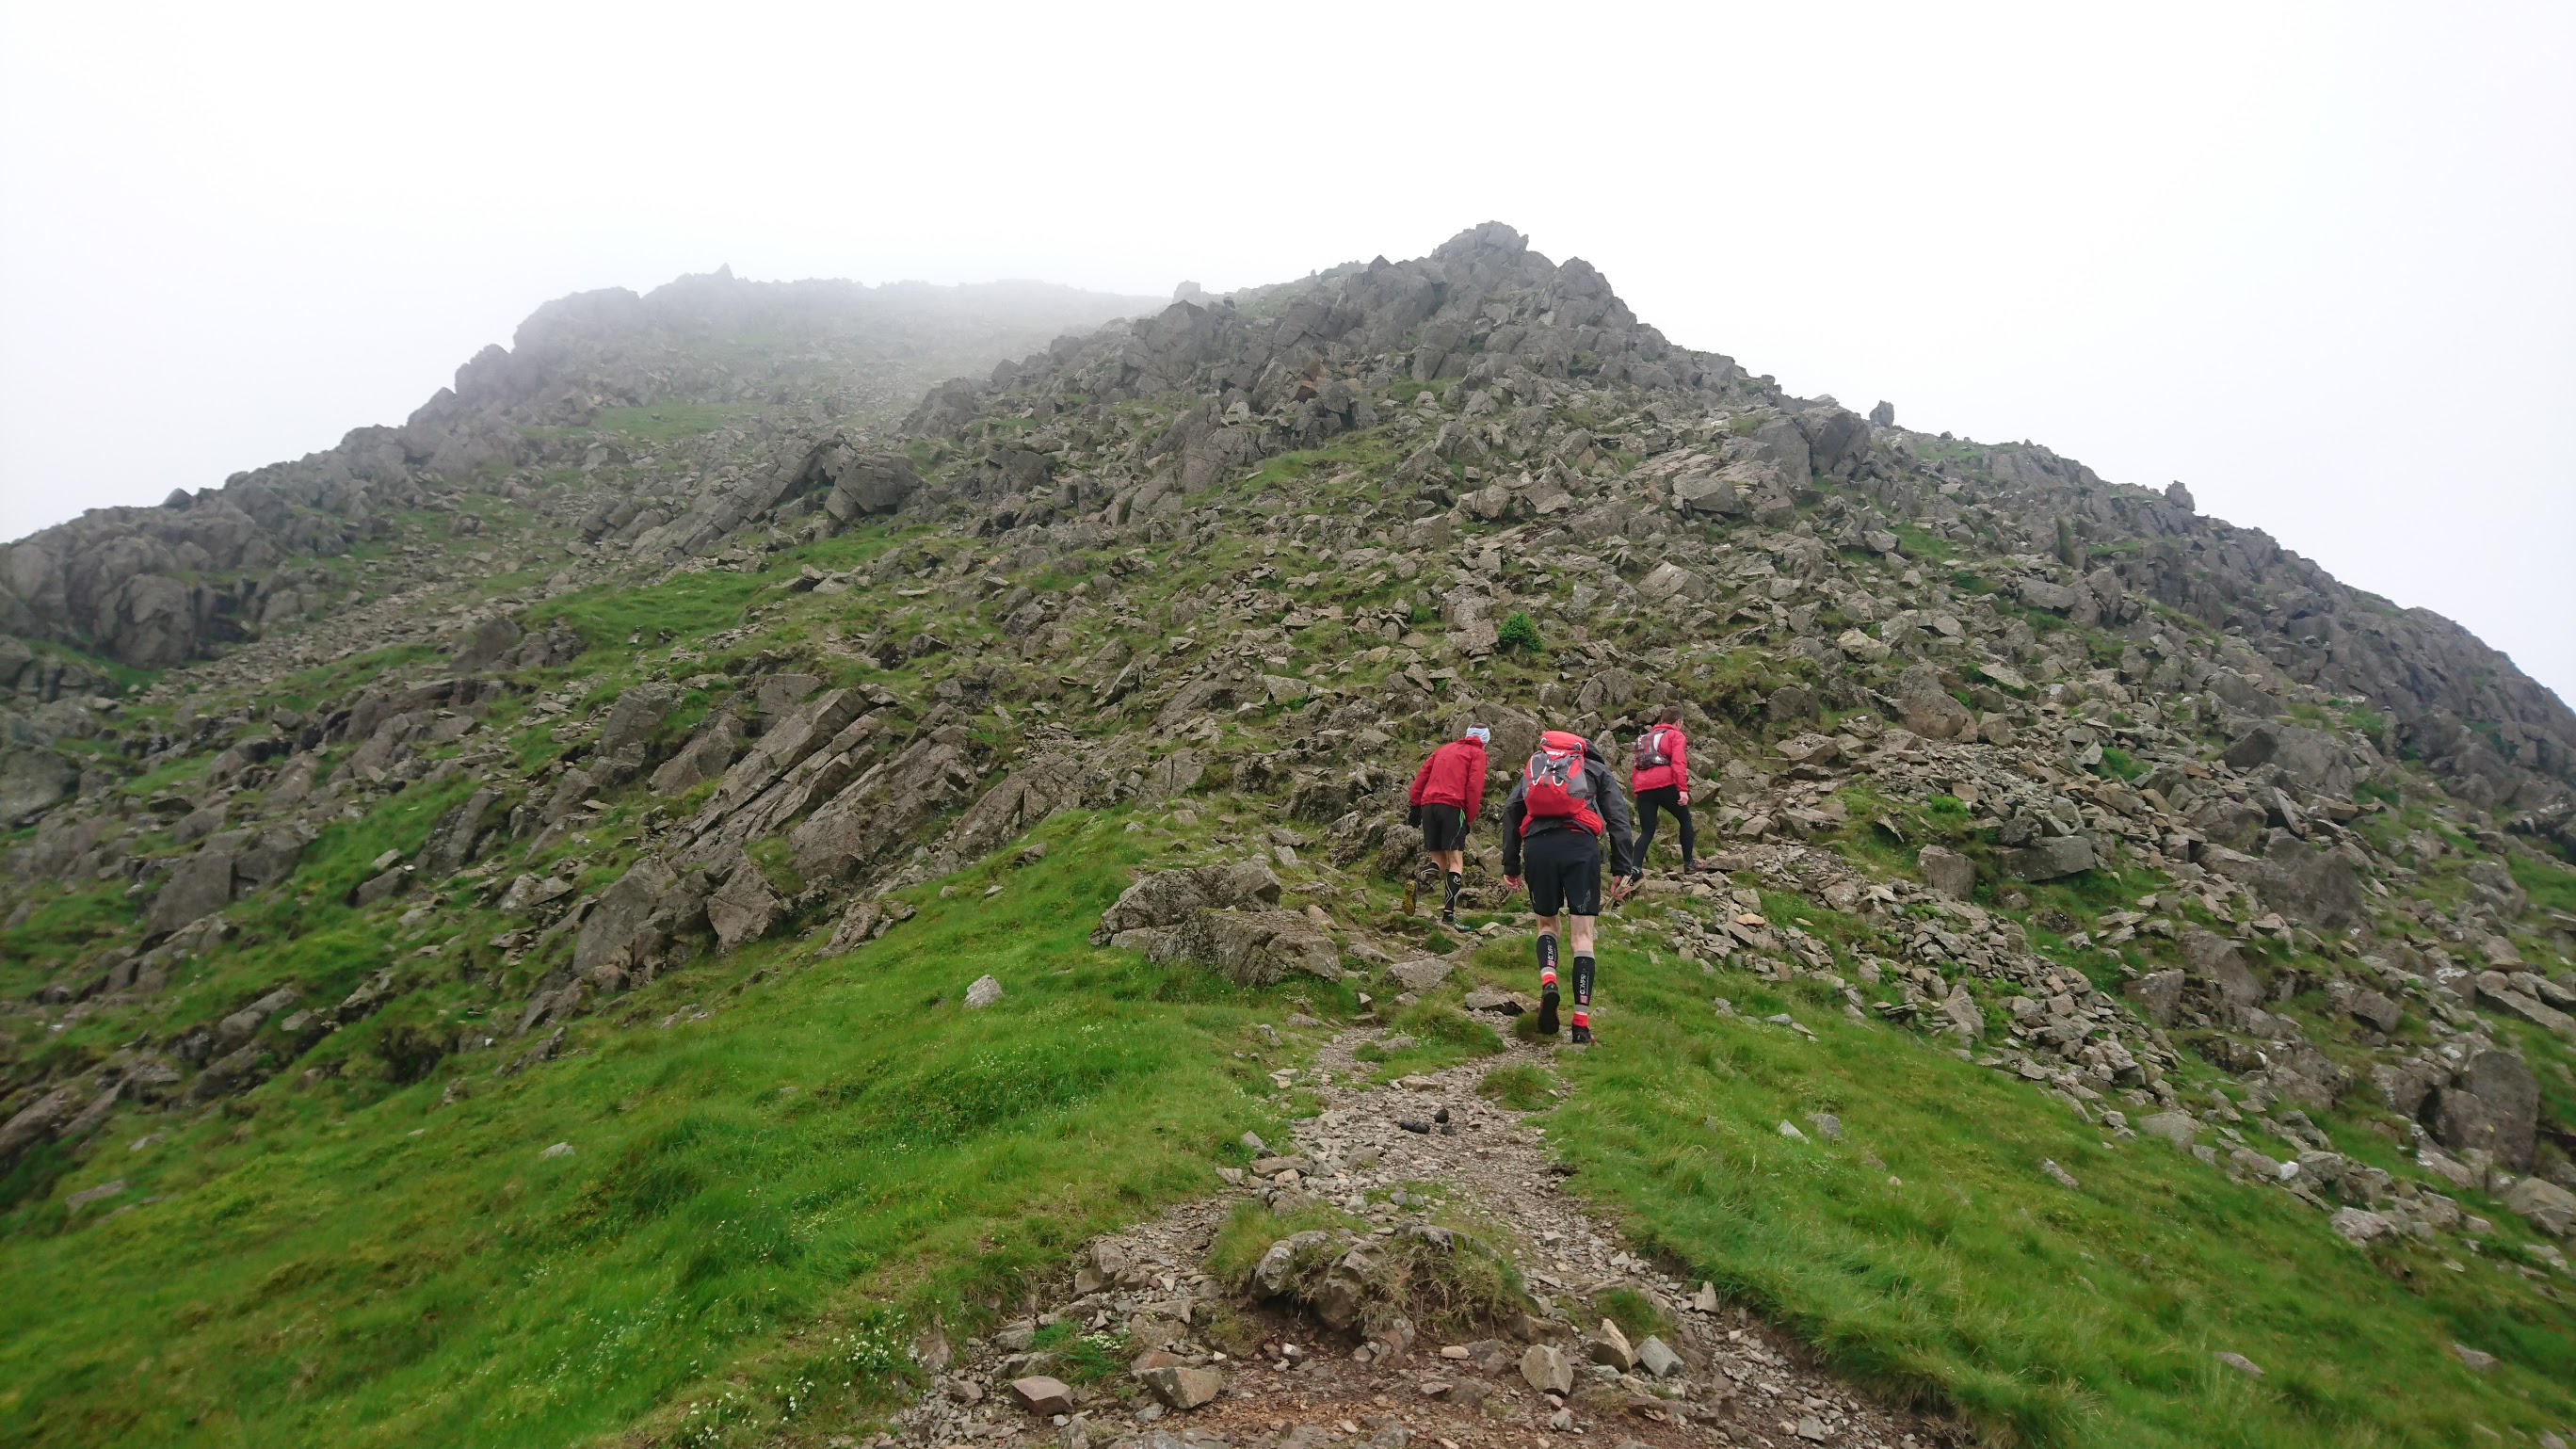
(2123, 802)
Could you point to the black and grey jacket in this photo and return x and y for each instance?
(1607, 799)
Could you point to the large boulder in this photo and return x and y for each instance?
(865, 483)
(634, 717)
(1171, 897)
(1947, 871)
(623, 918)
(33, 781)
(199, 887)
(1927, 708)
(2218, 965)
(2546, 1205)
(488, 643)
(2157, 996)
(2493, 1104)
(1837, 440)
(1219, 917)
(2050, 857)
(744, 908)
(1257, 948)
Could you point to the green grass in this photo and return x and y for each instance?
(670, 421)
(2551, 887)
(1634, 1312)
(832, 1151)
(1926, 1254)
(1519, 1088)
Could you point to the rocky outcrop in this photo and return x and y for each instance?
(1219, 917)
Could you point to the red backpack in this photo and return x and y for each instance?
(1555, 785)
(1650, 748)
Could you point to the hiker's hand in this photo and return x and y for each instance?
(1618, 889)
(1683, 797)
(1511, 882)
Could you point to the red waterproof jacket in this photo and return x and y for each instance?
(1454, 775)
(1675, 774)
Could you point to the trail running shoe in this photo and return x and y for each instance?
(1547, 1012)
(1581, 1036)
(1450, 919)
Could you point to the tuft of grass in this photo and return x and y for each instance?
(1634, 1312)
(1518, 1088)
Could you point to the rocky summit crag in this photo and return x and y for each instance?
(699, 647)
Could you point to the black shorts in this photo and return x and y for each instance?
(1444, 827)
(1563, 867)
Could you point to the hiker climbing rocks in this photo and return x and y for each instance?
(1660, 778)
(1446, 791)
(1563, 804)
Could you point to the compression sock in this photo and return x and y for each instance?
(1582, 992)
(1455, 881)
(1546, 985)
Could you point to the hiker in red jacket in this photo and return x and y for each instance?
(1446, 791)
(1660, 778)
(1563, 805)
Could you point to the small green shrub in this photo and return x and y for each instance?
(1519, 634)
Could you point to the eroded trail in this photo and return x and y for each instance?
(1400, 1156)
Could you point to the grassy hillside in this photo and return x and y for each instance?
(759, 1201)
(1927, 1252)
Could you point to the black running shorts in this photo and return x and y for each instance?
(1444, 827)
(1563, 868)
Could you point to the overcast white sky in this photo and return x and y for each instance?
(2318, 261)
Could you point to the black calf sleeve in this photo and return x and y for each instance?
(1583, 980)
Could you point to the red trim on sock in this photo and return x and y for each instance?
(1583, 1018)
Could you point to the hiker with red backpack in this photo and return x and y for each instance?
(1660, 777)
(1446, 791)
(1558, 812)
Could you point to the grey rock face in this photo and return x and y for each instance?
(2316, 760)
